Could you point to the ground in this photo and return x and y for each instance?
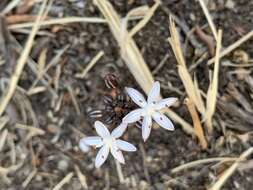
(54, 153)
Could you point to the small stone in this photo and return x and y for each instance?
(230, 4)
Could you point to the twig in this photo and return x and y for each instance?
(65, 180)
(81, 177)
(233, 46)
(10, 6)
(21, 61)
(3, 121)
(198, 129)
(73, 98)
(160, 65)
(203, 161)
(90, 65)
(231, 170)
(213, 87)
(29, 178)
(209, 19)
(67, 20)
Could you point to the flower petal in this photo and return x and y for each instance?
(163, 121)
(146, 127)
(136, 96)
(118, 131)
(101, 129)
(133, 116)
(165, 102)
(93, 141)
(101, 156)
(83, 146)
(117, 154)
(126, 146)
(154, 92)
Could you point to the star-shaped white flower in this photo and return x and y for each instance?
(149, 110)
(108, 142)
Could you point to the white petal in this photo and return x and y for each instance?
(163, 121)
(133, 116)
(117, 154)
(83, 146)
(146, 127)
(126, 146)
(154, 92)
(101, 156)
(101, 129)
(136, 96)
(167, 102)
(93, 141)
(118, 132)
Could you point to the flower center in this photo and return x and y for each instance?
(149, 110)
(108, 141)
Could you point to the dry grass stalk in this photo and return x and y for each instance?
(42, 62)
(203, 161)
(3, 121)
(185, 76)
(65, 180)
(90, 65)
(10, 6)
(233, 46)
(29, 178)
(58, 21)
(74, 100)
(3, 138)
(198, 129)
(22, 61)
(81, 177)
(33, 131)
(231, 170)
(209, 18)
(130, 53)
(213, 88)
(5, 171)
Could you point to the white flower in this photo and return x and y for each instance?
(149, 110)
(108, 142)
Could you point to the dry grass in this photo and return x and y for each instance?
(90, 65)
(22, 61)
(130, 53)
(223, 178)
(213, 87)
(191, 89)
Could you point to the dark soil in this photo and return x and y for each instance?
(56, 153)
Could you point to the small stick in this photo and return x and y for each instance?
(58, 21)
(231, 170)
(198, 129)
(29, 178)
(209, 18)
(233, 46)
(81, 177)
(203, 161)
(65, 180)
(90, 65)
(73, 98)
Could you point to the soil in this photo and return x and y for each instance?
(56, 153)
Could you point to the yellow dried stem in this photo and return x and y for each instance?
(185, 76)
(198, 129)
(213, 88)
